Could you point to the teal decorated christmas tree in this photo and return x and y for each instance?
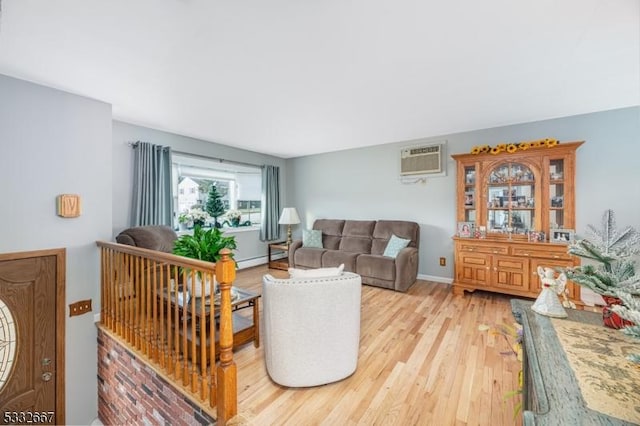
(215, 206)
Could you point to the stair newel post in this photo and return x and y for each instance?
(227, 392)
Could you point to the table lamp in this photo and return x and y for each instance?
(289, 217)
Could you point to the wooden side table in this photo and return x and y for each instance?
(278, 248)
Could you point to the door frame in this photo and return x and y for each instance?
(60, 255)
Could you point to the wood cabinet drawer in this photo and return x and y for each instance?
(542, 252)
(481, 248)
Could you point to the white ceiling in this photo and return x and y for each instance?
(299, 77)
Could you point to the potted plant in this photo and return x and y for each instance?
(199, 217)
(184, 219)
(611, 268)
(234, 217)
(203, 245)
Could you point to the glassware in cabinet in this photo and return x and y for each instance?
(556, 193)
(470, 196)
(510, 199)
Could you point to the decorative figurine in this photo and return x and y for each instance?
(547, 302)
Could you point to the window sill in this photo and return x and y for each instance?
(228, 230)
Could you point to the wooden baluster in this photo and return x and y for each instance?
(131, 291)
(147, 312)
(129, 296)
(118, 287)
(162, 343)
(207, 283)
(141, 304)
(121, 292)
(104, 280)
(120, 300)
(212, 356)
(227, 404)
(176, 332)
(139, 301)
(107, 290)
(144, 319)
(185, 310)
(194, 325)
(133, 299)
(125, 296)
(113, 288)
(154, 311)
(114, 292)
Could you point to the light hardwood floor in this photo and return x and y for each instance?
(422, 361)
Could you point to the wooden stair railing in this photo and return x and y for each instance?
(144, 301)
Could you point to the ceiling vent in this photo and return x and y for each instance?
(421, 160)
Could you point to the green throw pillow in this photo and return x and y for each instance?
(312, 238)
(394, 246)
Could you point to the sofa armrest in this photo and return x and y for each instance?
(295, 245)
(406, 268)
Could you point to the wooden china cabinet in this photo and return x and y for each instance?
(511, 198)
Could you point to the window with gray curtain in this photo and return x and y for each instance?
(270, 230)
(152, 203)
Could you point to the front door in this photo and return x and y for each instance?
(28, 354)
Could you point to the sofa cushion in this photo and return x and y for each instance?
(358, 228)
(336, 257)
(329, 226)
(356, 244)
(394, 246)
(384, 229)
(308, 257)
(331, 232)
(316, 273)
(371, 265)
(312, 238)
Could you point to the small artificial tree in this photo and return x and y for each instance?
(612, 252)
(614, 278)
(215, 206)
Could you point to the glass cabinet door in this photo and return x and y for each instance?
(510, 199)
(470, 201)
(556, 194)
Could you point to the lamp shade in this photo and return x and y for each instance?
(289, 216)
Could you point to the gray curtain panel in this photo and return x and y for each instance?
(152, 201)
(270, 230)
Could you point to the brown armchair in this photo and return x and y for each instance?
(159, 238)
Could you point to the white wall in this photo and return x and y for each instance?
(249, 244)
(364, 184)
(53, 143)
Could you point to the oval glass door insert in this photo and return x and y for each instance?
(7, 343)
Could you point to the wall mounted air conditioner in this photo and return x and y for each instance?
(421, 160)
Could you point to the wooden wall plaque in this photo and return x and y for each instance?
(68, 205)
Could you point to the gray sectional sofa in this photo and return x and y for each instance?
(359, 244)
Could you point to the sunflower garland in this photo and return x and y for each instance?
(481, 149)
(513, 147)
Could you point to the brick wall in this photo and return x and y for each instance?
(130, 392)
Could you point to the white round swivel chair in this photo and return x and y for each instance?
(311, 328)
